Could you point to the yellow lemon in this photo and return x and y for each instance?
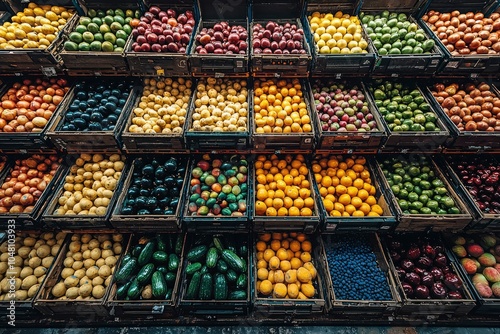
(335, 50)
(326, 36)
(342, 30)
(352, 44)
(337, 36)
(336, 22)
(324, 50)
(341, 43)
(331, 43)
(352, 28)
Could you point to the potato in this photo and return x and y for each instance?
(93, 244)
(78, 256)
(4, 257)
(104, 271)
(98, 281)
(80, 273)
(92, 272)
(60, 236)
(4, 284)
(68, 262)
(51, 242)
(85, 280)
(96, 254)
(110, 261)
(86, 254)
(107, 253)
(88, 263)
(71, 281)
(98, 291)
(40, 279)
(25, 272)
(47, 262)
(43, 251)
(35, 262)
(18, 261)
(40, 271)
(117, 248)
(117, 237)
(75, 246)
(77, 265)
(3, 267)
(72, 293)
(107, 282)
(101, 262)
(28, 282)
(147, 292)
(16, 272)
(67, 272)
(24, 252)
(21, 295)
(85, 290)
(55, 250)
(33, 290)
(39, 243)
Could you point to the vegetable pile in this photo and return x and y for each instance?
(342, 107)
(96, 106)
(149, 269)
(354, 270)
(222, 38)
(403, 106)
(217, 268)
(221, 105)
(28, 105)
(163, 106)
(481, 178)
(275, 38)
(417, 187)
(26, 183)
(34, 255)
(219, 186)
(469, 33)
(395, 33)
(424, 270)
(339, 33)
(345, 186)
(155, 187)
(470, 107)
(480, 257)
(282, 186)
(285, 266)
(162, 31)
(90, 185)
(88, 266)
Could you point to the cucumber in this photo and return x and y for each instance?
(170, 243)
(161, 243)
(194, 286)
(204, 269)
(192, 268)
(134, 290)
(158, 285)
(241, 282)
(136, 251)
(243, 251)
(146, 253)
(160, 257)
(168, 296)
(221, 266)
(212, 257)
(231, 276)
(206, 285)
(197, 253)
(220, 287)
(126, 270)
(173, 262)
(144, 275)
(178, 244)
(163, 269)
(121, 292)
(237, 295)
(170, 279)
(233, 261)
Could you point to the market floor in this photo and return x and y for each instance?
(257, 330)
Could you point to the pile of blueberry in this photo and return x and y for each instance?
(354, 269)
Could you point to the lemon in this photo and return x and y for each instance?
(329, 16)
(346, 23)
(325, 23)
(357, 36)
(352, 44)
(335, 50)
(336, 22)
(342, 30)
(326, 37)
(324, 50)
(363, 44)
(331, 43)
(320, 31)
(348, 37)
(314, 26)
(351, 28)
(316, 37)
(345, 51)
(20, 34)
(331, 30)
(38, 11)
(356, 49)
(337, 36)
(316, 20)
(321, 43)
(341, 43)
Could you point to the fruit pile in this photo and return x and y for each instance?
(217, 268)
(339, 33)
(105, 31)
(275, 38)
(90, 185)
(88, 266)
(282, 186)
(162, 31)
(394, 34)
(345, 186)
(480, 257)
(221, 106)
(342, 107)
(403, 106)
(469, 33)
(155, 187)
(96, 106)
(423, 269)
(284, 266)
(222, 38)
(149, 269)
(157, 113)
(219, 187)
(36, 27)
(354, 270)
(26, 182)
(481, 178)
(280, 107)
(470, 107)
(33, 256)
(417, 187)
(28, 105)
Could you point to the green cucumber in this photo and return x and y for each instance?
(237, 295)
(221, 266)
(212, 257)
(136, 251)
(145, 273)
(170, 279)
(231, 276)
(160, 257)
(204, 269)
(173, 262)
(194, 286)
(241, 282)
(206, 285)
(126, 270)
(170, 243)
(134, 290)
(162, 269)
(161, 242)
(178, 244)
(158, 285)
(233, 261)
(168, 295)
(146, 253)
(197, 253)
(220, 287)
(243, 251)
(121, 292)
(192, 268)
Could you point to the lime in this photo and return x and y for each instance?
(81, 28)
(88, 37)
(120, 42)
(107, 46)
(98, 37)
(433, 205)
(104, 29)
(95, 46)
(119, 19)
(430, 127)
(92, 13)
(97, 21)
(110, 37)
(403, 204)
(108, 20)
(127, 28)
(395, 189)
(76, 37)
(84, 20)
(394, 51)
(423, 198)
(93, 28)
(70, 46)
(454, 210)
(121, 34)
(441, 191)
(407, 50)
(425, 211)
(403, 193)
(83, 46)
(413, 197)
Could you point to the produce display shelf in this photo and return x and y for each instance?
(136, 222)
(337, 64)
(361, 307)
(88, 141)
(92, 309)
(162, 64)
(335, 141)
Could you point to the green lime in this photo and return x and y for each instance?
(76, 37)
(98, 37)
(93, 28)
(84, 46)
(104, 28)
(70, 46)
(454, 210)
(127, 28)
(108, 20)
(107, 46)
(88, 37)
(433, 205)
(395, 189)
(412, 197)
(403, 204)
(425, 211)
(121, 34)
(119, 19)
(120, 42)
(92, 13)
(95, 46)
(84, 20)
(81, 28)
(97, 21)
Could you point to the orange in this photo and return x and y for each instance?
(261, 179)
(306, 246)
(261, 263)
(298, 203)
(340, 189)
(305, 257)
(358, 183)
(350, 209)
(356, 202)
(295, 246)
(350, 162)
(339, 207)
(352, 174)
(281, 184)
(260, 208)
(261, 246)
(296, 164)
(268, 254)
(277, 236)
(306, 184)
(293, 211)
(301, 237)
(377, 209)
(283, 211)
(358, 168)
(365, 174)
(346, 181)
(363, 194)
(269, 178)
(285, 244)
(292, 192)
(271, 212)
(346, 214)
(340, 173)
(309, 202)
(285, 265)
(296, 127)
(358, 213)
(275, 245)
(303, 170)
(288, 179)
(373, 214)
(291, 254)
(335, 181)
(343, 165)
(295, 263)
(316, 168)
(326, 181)
(306, 212)
(333, 163)
(352, 191)
(261, 194)
(365, 208)
(345, 199)
(370, 200)
(304, 193)
(288, 202)
(373, 191)
(265, 237)
(335, 213)
(297, 181)
(282, 254)
(328, 205)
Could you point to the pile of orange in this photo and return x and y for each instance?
(345, 186)
(284, 266)
(282, 186)
(280, 107)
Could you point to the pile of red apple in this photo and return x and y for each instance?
(480, 257)
(163, 31)
(277, 38)
(222, 38)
